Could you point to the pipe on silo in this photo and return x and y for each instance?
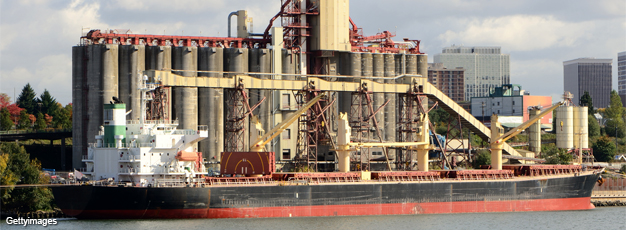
(234, 13)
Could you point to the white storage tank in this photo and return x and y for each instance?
(581, 127)
(565, 127)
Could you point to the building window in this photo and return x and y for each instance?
(286, 154)
(513, 102)
(287, 134)
(498, 103)
(286, 101)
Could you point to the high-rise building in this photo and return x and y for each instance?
(621, 76)
(449, 81)
(485, 67)
(591, 75)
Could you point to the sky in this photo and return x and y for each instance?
(36, 36)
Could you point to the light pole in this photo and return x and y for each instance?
(616, 150)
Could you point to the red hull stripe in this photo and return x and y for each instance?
(347, 210)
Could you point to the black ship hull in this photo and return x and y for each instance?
(328, 199)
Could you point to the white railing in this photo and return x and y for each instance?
(157, 171)
(184, 132)
(124, 145)
(153, 122)
(84, 170)
(127, 170)
(130, 158)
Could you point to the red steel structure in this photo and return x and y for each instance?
(362, 120)
(313, 125)
(236, 112)
(113, 37)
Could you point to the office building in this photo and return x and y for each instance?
(485, 67)
(591, 75)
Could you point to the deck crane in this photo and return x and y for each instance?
(344, 145)
(497, 138)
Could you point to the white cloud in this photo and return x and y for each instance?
(167, 5)
(520, 32)
(37, 35)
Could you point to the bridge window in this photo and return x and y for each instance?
(286, 154)
(286, 101)
(287, 134)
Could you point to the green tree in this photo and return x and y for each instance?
(63, 118)
(27, 99)
(615, 128)
(6, 176)
(27, 171)
(24, 121)
(594, 127)
(586, 100)
(555, 155)
(483, 157)
(438, 115)
(47, 103)
(41, 122)
(604, 149)
(5, 119)
(615, 109)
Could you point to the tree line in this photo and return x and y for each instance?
(30, 112)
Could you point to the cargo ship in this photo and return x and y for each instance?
(149, 169)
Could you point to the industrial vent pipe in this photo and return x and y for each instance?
(229, 17)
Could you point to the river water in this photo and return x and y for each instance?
(599, 218)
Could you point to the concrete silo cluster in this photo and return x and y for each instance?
(110, 64)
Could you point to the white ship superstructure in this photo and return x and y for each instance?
(143, 152)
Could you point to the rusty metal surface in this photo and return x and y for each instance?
(247, 163)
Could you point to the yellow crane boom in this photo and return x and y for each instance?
(497, 140)
(259, 145)
(513, 132)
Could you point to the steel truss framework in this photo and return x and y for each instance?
(158, 107)
(412, 106)
(313, 127)
(455, 132)
(362, 122)
(237, 110)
